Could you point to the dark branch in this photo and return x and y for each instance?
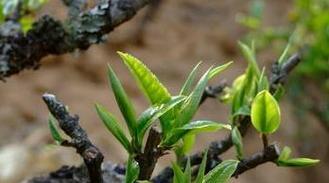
(148, 159)
(281, 72)
(269, 154)
(91, 155)
(213, 91)
(48, 36)
(216, 148)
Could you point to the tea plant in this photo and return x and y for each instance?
(310, 20)
(253, 99)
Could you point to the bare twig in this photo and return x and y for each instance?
(91, 155)
(48, 36)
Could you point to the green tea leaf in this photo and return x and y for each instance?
(249, 54)
(263, 83)
(179, 176)
(53, 129)
(187, 87)
(112, 125)
(191, 105)
(123, 101)
(150, 85)
(150, 115)
(242, 111)
(222, 172)
(188, 143)
(215, 71)
(298, 162)
(237, 141)
(148, 82)
(193, 128)
(188, 171)
(199, 126)
(202, 168)
(285, 153)
(132, 170)
(265, 113)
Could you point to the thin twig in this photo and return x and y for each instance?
(91, 155)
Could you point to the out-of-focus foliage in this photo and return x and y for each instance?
(24, 10)
(307, 32)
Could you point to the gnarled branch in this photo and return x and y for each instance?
(91, 155)
(19, 51)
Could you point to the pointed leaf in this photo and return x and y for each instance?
(204, 126)
(215, 71)
(222, 172)
(123, 101)
(150, 115)
(53, 129)
(188, 171)
(298, 162)
(285, 153)
(191, 105)
(265, 113)
(132, 171)
(187, 87)
(263, 83)
(237, 141)
(112, 125)
(249, 55)
(148, 82)
(193, 128)
(179, 176)
(202, 168)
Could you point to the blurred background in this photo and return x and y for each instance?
(179, 35)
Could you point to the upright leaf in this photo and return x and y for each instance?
(179, 176)
(215, 71)
(132, 170)
(53, 129)
(148, 82)
(188, 171)
(123, 102)
(249, 54)
(112, 125)
(187, 87)
(237, 141)
(191, 105)
(202, 168)
(150, 115)
(222, 172)
(150, 85)
(265, 113)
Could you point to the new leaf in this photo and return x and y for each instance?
(265, 113)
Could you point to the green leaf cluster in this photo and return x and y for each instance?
(175, 113)
(285, 160)
(220, 174)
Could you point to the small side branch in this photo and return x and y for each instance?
(148, 159)
(216, 148)
(269, 154)
(91, 155)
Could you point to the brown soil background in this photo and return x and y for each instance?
(183, 33)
